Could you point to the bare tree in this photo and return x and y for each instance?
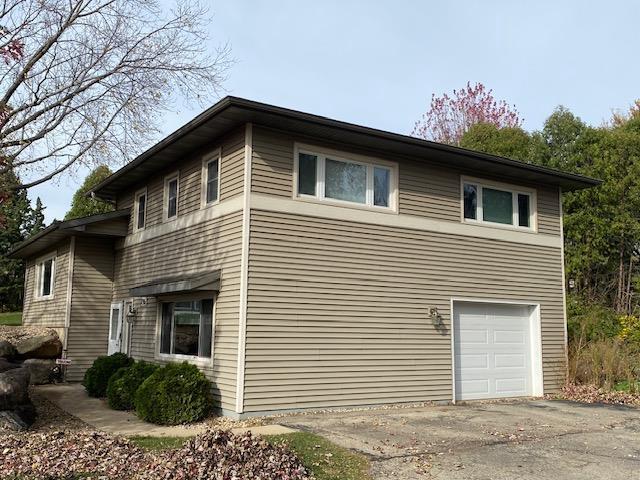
(84, 81)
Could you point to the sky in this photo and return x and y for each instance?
(377, 63)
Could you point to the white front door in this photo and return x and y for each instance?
(115, 329)
(493, 354)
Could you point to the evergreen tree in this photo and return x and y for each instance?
(81, 204)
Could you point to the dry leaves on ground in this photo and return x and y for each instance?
(593, 394)
(215, 455)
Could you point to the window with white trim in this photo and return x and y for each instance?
(497, 205)
(45, 276)
(140, 211)
(211, 179)
(171, 197)
(186, 328)
(337, 178)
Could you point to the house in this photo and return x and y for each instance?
(303, 262)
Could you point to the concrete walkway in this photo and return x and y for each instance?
(73, 399)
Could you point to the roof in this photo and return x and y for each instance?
(209, 281)
(232, 112)
(59, 230)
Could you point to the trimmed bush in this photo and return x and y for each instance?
(97, 377)
(174, 394)
(125, 382)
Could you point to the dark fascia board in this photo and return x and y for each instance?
(67, 225)
(251, 111)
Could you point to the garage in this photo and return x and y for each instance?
(496, 350)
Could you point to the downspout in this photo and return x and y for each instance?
(244, 269)
(564, 287)
(67, 313)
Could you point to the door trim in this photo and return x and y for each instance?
(535, 325)
(120, 306)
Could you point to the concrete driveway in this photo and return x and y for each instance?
(529, 439)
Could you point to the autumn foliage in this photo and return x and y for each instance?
(449, 117)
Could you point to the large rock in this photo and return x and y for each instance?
(42, 370)
(41, 346)
(7, 350)
(19, 419)
(14, 388)
(6, 365)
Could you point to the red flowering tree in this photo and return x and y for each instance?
(449, 117)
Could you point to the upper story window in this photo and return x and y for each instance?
(498, 204)
(171, 196)
(344, 178)
(211, 179)
(140, 211)
(45, 276)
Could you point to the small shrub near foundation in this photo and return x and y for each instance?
(125, 382)
(96, 378)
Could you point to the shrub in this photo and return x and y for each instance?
(125, 382)
(589, 322)
(603, 363)
(96, 378)
(176, 393)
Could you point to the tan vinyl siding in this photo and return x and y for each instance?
(210, 245)
(190, 173)
(90, 305)
(425, 189)
(49, 312)
(337, 311)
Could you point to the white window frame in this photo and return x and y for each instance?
(505, 187)
(206, 160)
(173, 357)
(165, 194)
(370, 162)
(136, 210)
(39, 268)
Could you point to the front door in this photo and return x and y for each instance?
(115, 329)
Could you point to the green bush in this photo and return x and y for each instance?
(96, 378)
(590, 322)
(125, 382)
(174, 394)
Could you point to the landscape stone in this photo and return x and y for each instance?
(6, 365)
(42, 370)
(7, 350)
(14, 388)
(41, 346)
(19, 419)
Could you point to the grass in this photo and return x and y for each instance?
(13, 319)
(158, 443)
(326, 460)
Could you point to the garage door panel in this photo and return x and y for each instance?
(492, 351)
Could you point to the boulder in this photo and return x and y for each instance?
(19, 419)
(40, 346)
(7, 350)
(42, 370)
(7, 365)
(14, 388)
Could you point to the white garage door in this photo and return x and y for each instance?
(492, 349)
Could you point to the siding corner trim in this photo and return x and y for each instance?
(67, 312)
(244, 268)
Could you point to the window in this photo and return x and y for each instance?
(210, 179)
(331, 177)
(45, 276)
(494, 204)
(187, 328)
(140, 209)
(171, 197)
